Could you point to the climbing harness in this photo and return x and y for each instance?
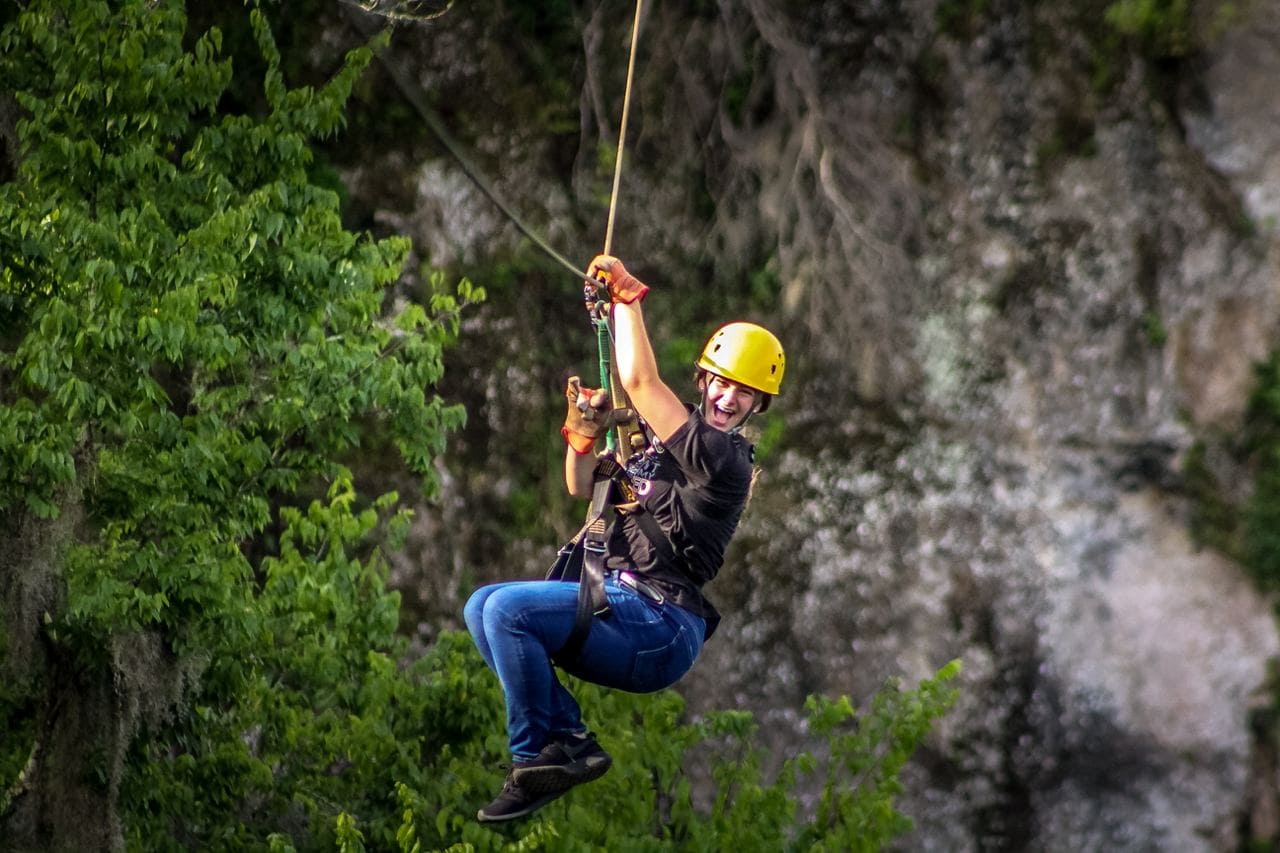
(582, 559)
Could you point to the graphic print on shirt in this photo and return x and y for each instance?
(642, 467)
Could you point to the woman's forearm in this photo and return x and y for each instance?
(634, 360)
(638, 372)
(578, 468)
(637, 365)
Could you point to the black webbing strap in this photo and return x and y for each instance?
(657, 537)
(591, 542)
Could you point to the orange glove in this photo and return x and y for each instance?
(623, 286)
(587, 415)
(590, 415)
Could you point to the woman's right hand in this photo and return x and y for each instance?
(586, 416)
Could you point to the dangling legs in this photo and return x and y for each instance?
(517, 627)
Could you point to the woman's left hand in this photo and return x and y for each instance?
(623, 286)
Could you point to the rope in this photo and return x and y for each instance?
(622, 128)
(616, 440)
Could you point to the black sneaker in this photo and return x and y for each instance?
(515, 801)
(566, 761)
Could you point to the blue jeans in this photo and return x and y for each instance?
(641, 647)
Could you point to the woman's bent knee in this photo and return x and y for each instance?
(473, 611)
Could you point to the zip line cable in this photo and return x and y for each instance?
(414, 96)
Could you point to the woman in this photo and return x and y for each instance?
(693, 480)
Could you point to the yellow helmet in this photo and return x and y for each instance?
(746, 354)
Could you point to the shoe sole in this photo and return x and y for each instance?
(557, 779)
(529, 809)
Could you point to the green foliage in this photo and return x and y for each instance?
(549, 40)
(1163, 27)
(189, 342)
(960, 18)
(765, 287)
(606, 163)
(1261, 516)
(18, 724)
(1253, 531)
(1157, 32)
(769, 431)
(1215, 519)
(1262, 535)
(646, 802)
(1245, 530)
(678, 354)
(1160, 31)
(1154, 329)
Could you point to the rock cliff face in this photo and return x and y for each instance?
(1021, 271)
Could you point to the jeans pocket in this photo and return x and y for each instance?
(654, 669)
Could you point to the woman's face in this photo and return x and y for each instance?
(727, 403)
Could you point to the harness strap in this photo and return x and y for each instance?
(657, 537)
(590, 546)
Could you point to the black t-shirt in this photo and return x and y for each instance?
(695, 487)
